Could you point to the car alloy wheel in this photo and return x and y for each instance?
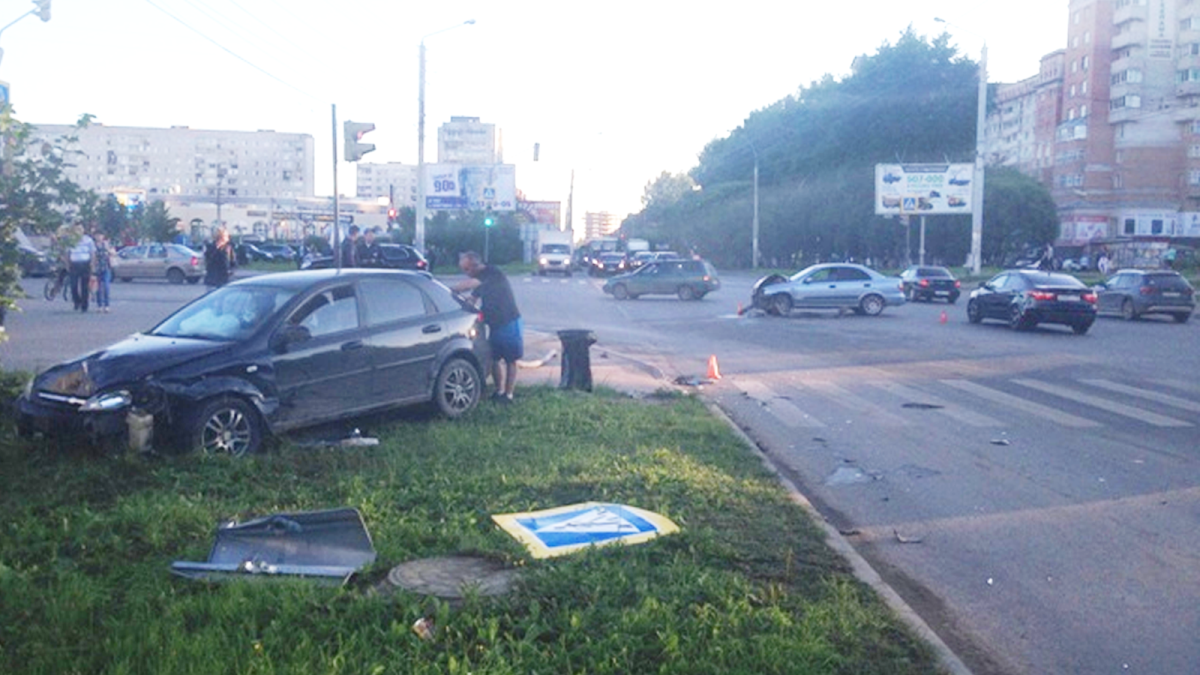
(686, 293)
(1081, 328)
(781, 304)
(175, 275)
(974, 312)
(1017, 319)
(1181, 317)
(226, 425)
(457, 389)
(871, 305)
(1127, 311)
(620, 292)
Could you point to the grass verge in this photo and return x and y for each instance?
(747, 586)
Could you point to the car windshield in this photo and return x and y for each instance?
(804, 272)
(228, 313)
(556, 248)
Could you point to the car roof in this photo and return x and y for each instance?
(301, 279)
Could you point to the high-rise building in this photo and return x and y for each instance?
(199, 164)
(466, 140)
(394, 181)
(600, 224)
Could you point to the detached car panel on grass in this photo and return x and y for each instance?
(828, 286)
(268, 354)
(1025, 298)
(1135, 293)
(687, 279)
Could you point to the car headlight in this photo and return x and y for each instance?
(543, 261)
(27, 392)
(108, 401)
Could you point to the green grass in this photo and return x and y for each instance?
(747, 586)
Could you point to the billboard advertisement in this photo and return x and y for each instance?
(456, 186)
(541, 213)
(923, 189)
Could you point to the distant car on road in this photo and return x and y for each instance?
(828, 286)
(687, 279)
(607, 263)
(268, 354)
(391, 256)
(34, 263)
(1026, 298)
(174, 262)
(278, 252)
(930, 283)
(1135, 293)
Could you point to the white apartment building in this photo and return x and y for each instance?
(191, 163)
(466, 140)
(600, 224)
(394, 181)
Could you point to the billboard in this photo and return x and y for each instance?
(477, 187)
(541, 213)
(923, 189)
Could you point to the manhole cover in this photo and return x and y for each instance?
(452, 577)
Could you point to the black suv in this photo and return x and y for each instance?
(391, 256)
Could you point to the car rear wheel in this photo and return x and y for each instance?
(1181, 317)
(686, 293)
(1081, 328)
(974, 312)
(225, 425)
(781, 304)
(1127, 311)
(457, 389)
(952, 299)
(175, 275)
(1017, 319)
(871, 305)
(620, 292)
(193, 280)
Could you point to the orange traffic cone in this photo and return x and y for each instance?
(944, 318)
(739, 309)
(714, 373)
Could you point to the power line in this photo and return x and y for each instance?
(232, 53)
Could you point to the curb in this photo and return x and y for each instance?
(861, 568)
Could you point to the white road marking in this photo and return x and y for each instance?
(781, 408)
(1167, 399)
(1103, 404)
(955, 411)
(1021, 404)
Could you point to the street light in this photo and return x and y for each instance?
(41, 8)
(977, 181)
(420, 235)
(754, 227)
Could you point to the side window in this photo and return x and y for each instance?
(852, 274)
(390, 300)
(158, 251)
(330, 311)
(999, 283)
(821, 275)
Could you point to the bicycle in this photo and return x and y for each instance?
(57, 285)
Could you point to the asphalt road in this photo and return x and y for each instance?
(1035, 496)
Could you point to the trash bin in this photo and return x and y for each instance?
(576, 360)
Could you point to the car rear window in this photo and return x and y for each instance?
(1048, 279)
(933, 272)
(1169, 281)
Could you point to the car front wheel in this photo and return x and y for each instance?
(781, 304)
(871, 305)
(457, 389)
(1127, 311)
(620, 292)
(227, 425)
(974, 312)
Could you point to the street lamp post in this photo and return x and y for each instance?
(419, 240)
(754, 227)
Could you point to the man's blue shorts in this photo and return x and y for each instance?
(506, 341)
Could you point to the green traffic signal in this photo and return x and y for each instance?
(488, 222)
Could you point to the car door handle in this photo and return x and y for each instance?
(431, 328)
(352, 345)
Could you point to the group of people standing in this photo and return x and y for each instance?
(87, 262)
(359, 251)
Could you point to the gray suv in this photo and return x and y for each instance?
(1133, 293)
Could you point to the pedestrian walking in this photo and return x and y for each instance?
(81, 256)
(349, 252)
(499, 308)
(219, 259)
(102, 271)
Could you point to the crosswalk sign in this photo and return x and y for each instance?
(566, 529)
(910, 204)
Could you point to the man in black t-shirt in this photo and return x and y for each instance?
(502, 317)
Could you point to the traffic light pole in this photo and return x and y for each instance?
(337, 238)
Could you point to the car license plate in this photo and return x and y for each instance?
(1171, 294)
(941, 292)
(1068, 298)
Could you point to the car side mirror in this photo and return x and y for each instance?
(1100, 287)
(985, 285)
(290, 335)
(807, 280)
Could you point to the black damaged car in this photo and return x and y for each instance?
(268, 354)
(1025, 298)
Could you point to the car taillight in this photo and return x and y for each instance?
(924, 283)
(421, 264)
(957, 283)
(1041, 295)
(1146, 290)
(195, 261)
(1089, 297)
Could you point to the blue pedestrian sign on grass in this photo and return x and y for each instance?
(566, 529)
(4, 94)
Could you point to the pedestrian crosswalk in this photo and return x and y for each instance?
(1081, 403)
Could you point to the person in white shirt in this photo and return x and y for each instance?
(81, 256)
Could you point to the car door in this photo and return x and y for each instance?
(670, 277)
(1118, 289)
(404, 337)
(154, 265)
(817, 289)
(328, 374)
(129, 261)
(850, 284)
(995, 299)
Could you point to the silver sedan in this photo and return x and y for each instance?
(829, 286)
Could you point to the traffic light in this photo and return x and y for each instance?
(353, 133)
(488, 220)
(43, 9)
(392, 213)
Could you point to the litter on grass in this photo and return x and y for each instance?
(331, 544)
(566, 529)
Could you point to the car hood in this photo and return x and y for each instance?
(129, 360)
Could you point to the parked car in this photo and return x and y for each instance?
(1134, 293)
(607, 263)
(251, 251)
(174, 262)
(1026, 298)
(930, 283)
(277, 252)
(33, 263)
(392, 256)
(688, 279)
(828, 286)
(640, 258)
(268, 354)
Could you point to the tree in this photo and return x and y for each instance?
(158, 223)
(1017, 212)
(35, 192)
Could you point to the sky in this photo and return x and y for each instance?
(613, 92)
